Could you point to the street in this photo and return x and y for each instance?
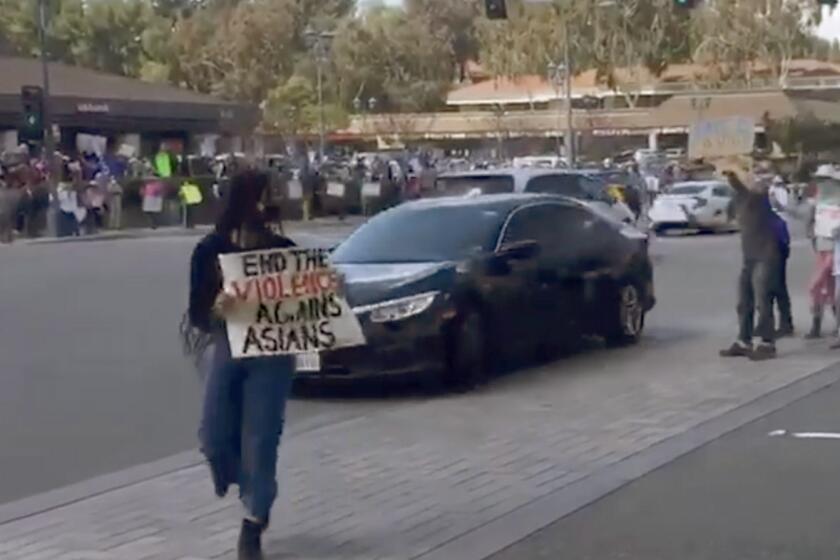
(94, 379)
(362, 476)
(748, 495)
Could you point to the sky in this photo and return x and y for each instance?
(830, 28)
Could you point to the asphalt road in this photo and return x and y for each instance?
(745, 496)
(92, 378)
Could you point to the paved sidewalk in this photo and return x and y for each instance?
(427, 480)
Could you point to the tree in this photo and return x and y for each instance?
(456, 21)
(288, 107)
(238, 52)
(100, 34)
(107, 34)
(733, 35)
(626, 42)
(400, 61)
(530, 40)
(634, 41)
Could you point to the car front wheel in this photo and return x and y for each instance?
(627, 319)
(466, 353)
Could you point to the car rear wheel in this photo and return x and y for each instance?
(627, 319)
(466, 353)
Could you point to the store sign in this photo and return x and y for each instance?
(93, 108)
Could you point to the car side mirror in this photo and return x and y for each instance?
(519, 250)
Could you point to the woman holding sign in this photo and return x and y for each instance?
(245, 399)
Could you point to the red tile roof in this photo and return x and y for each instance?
(535, 89)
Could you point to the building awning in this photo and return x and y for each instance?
(673, 116)
(89, 99)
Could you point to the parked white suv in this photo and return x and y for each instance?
(572, 183)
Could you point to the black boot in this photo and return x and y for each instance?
(250, 545)
(816, 327)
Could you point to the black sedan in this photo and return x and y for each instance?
(451, 287)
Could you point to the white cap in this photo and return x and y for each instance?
(828, 171)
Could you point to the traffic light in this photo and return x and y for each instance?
(685, 4)
(496, 9)
(32, 103)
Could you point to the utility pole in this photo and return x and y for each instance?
(321, 125)
(561, 75)
(318, 43)
(570, 131)
(48, 146)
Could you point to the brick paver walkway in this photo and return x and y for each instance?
(399, 483)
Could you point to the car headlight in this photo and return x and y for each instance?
(398, 309)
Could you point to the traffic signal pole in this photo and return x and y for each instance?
(46, 113)
(48, 146)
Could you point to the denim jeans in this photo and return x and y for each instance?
(781, 295)
(244, 410)
(755, 293)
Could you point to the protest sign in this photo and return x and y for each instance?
(288, 301)
(335, 189)
(721, 137)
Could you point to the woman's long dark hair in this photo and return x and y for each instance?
(242, 201)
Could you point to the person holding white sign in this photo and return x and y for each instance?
(761, 260)
(245, 399)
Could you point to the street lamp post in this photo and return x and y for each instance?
(46, 119)
(361, 109)
(563, 73)
(46, 114)
(318, 41)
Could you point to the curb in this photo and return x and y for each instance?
(510, 528)
(181, 232)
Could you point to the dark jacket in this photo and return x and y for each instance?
(206, 276)
(780, 229)
(757, 221)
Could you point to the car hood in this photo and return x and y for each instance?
(372, 283)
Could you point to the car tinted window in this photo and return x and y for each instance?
(462, 185)
(566, 184)
(555, 227)
(433, 234)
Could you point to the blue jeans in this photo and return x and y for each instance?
(244, 409)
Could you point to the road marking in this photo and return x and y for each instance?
(805, 435)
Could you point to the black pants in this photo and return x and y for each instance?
(755, 294)
(781, 296)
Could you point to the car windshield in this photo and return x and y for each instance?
(687, 189)
(482, 184)
(431, 234)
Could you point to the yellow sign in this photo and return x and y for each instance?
(191, 194)
(163, 165)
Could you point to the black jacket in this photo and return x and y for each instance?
(206, 277)
(756, 218)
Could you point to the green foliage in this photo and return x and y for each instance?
(399, 60)
(736, 34)
(405, 57)
(803, 135)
